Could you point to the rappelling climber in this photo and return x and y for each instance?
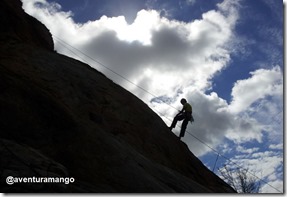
(185, 114)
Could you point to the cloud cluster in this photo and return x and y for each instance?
(186, 52)
(262, 83)
(172, 59)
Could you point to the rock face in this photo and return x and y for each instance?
(62, 118)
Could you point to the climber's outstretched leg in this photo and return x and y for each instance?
(178, 117)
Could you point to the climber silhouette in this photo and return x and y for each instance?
(185, 114)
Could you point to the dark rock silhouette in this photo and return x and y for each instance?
(62, 118)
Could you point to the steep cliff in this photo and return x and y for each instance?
(62, 118)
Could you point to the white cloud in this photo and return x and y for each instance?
(276, 146)
(262, 83)
(177, 48)
(259, 99)
(242, 149)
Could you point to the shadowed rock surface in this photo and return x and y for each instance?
(62, 118)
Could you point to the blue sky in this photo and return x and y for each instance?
(224, 56)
